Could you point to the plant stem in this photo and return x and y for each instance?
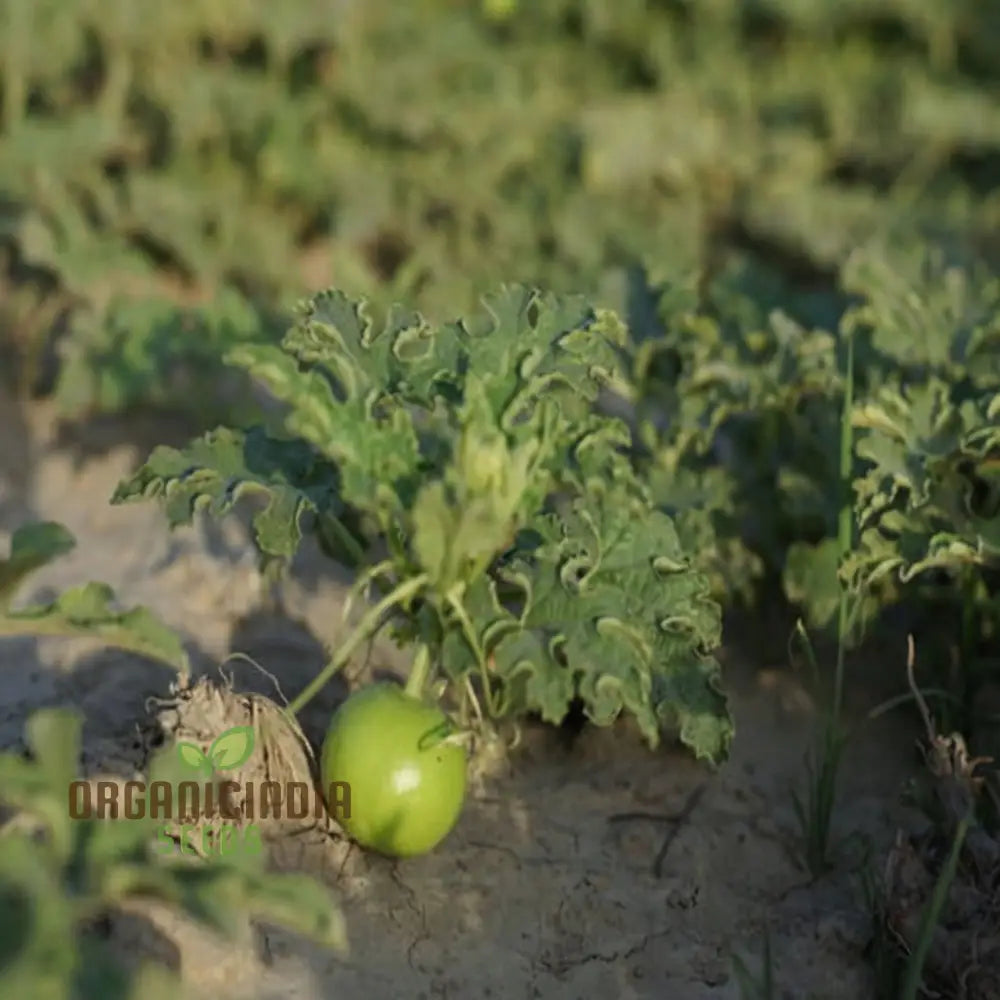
(815, 810)
(419, 672)
(368, 624)
(333, 524)
(27, 623)
(932, 913)
(470, 637)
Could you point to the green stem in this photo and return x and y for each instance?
(932, 913)
(470, 636)
(355, 550)
(419, 672)
(368, 624)
(34, 622)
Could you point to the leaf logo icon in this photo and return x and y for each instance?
(192, 757)
(232, 748)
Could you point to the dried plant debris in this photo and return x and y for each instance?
(962, 959)
(254, 755)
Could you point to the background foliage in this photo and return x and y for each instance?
(748, 184)
(744, 182)
(213, 153)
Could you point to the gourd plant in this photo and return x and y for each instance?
(490, 506)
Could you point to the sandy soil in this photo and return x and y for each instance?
(541, 891)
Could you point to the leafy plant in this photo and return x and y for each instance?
(815, 809)
(925, 502)
(141, 352)
(735, 415)
(468, 474)
(84, 611)
(738, 413)
(60, 875)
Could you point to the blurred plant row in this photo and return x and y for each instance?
(172, 180)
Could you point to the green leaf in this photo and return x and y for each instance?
(53, 736)
(927, 314)
(37, 923)
(461, 522)
(811, 579)
(298, 902)
(32, 546)
(378, 408)
(333, 369)
(86, 612)
(387, 400)
(40, 786)
(925, 500)
(611, 612)
(149, 351)
(217, 469)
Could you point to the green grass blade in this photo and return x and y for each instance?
(932, 914)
